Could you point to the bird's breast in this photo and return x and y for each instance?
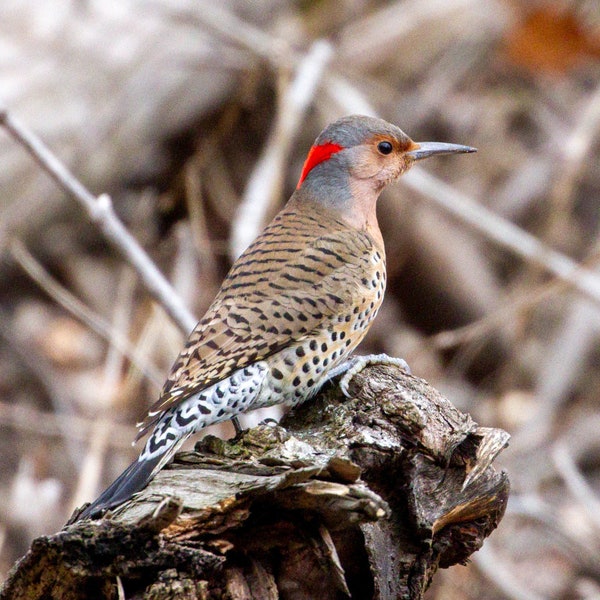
(297, 371)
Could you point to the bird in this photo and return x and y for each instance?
(293, 306)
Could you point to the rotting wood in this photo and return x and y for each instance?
(364, 497)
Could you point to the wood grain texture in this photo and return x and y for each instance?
(362, 497)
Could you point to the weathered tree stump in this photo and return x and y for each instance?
(363, 497)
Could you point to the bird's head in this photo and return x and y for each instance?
(359, 154)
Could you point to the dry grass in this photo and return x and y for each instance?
(196, 121)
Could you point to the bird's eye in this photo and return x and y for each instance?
(385, 147)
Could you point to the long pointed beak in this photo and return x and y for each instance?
(427, 149)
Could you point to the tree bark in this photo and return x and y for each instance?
(363, 497)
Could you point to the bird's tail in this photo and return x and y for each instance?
(133, 479)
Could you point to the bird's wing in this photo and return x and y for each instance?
(284, 286)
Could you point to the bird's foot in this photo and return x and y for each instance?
(357, 363)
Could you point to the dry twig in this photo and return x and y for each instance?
(90, 469)
(266, 181)
(503, 232)
(80, 311)
(576, 482)
(51, 424)
(101, 212)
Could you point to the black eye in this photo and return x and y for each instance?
(385, 147)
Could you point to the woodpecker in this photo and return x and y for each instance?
(294, 305)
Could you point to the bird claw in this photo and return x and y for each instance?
(356, 364)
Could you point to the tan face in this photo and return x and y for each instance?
(381, 159)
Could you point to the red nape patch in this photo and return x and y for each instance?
(316, 155)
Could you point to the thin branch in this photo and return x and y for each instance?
(503, 232)
(226, 24)
(49, 424)
(575, 481)
(198, 224)
(535, 508)
(101, 212)
(373, 38)
(346, 95)
(502, 575)
(573, 159)
(38, 366)
(90, 470)
(266, 181)
(80, 311)
(445, 340)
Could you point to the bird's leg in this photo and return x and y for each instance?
(237, 426)
(356, 364)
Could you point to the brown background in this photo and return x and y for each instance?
(174, 106)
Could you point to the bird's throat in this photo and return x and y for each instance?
(361, 211)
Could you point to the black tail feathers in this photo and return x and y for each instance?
(133, 479)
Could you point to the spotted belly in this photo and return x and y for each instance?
(296, 373)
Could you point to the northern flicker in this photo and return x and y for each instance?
(294, 305)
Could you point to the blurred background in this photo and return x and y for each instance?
(196, 116)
